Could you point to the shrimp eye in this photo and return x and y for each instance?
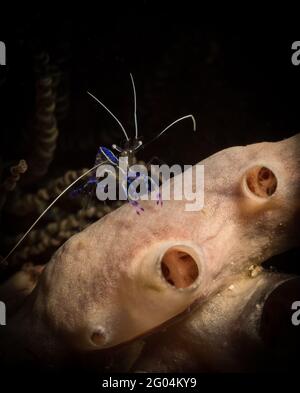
(137, 144)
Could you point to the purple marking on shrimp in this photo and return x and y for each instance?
(137, 207)
(159, 199)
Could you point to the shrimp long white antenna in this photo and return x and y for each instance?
(134, 97)
(45, 211)
(110, 112)
(170, 125)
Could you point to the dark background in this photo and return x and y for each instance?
(236, 78)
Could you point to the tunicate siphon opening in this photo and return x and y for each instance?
(261, 181)
(98, 336)
(179, 268)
